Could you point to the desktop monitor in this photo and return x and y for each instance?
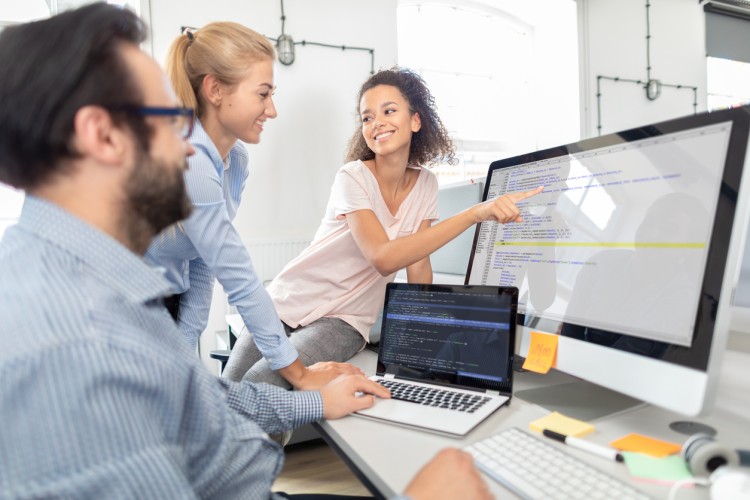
(740, 322)
(631, 255)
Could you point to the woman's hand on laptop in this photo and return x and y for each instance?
(349, 393)
(313, 377)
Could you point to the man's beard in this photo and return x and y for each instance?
(156, 197)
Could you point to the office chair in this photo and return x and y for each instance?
(222, 355)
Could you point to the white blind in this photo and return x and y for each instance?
(728, 30)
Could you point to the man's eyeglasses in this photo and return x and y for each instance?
(181, 119)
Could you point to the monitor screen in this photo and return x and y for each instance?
(629, 251)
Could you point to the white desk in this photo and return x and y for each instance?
(386, 457)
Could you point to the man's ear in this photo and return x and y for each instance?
(95, 135)
(213, 90)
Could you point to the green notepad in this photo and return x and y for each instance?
(667, 469)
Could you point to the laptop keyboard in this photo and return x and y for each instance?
(533, 468)
(430, 396)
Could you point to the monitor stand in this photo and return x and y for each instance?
(579, 399)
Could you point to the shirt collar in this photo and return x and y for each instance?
(200, 139)
(101, 254)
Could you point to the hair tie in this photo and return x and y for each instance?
(189, 33)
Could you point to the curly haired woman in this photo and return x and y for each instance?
(378, 221)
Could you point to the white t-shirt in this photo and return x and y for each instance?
(331, 277)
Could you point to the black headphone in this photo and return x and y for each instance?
(704, 455)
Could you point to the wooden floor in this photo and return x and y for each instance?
(313, 467)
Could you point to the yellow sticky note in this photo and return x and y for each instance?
(647, 445)
(542, 352)
(564, 425)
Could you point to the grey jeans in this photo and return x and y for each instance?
(326, 339)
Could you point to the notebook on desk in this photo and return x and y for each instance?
(438, 339)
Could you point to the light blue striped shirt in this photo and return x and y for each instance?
(99, 398)
(207, 245)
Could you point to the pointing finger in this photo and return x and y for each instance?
(527, 194)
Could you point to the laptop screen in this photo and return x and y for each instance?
(449, 334)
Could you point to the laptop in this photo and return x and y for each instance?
(446, 354)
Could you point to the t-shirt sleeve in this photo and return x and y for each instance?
(349, 193)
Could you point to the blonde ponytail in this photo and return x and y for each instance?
(175, 69)
(226, 50)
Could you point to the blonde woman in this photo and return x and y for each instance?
(225, 72)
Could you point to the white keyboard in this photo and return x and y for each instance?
(532, 468)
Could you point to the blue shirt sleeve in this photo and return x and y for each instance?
(195, 303)
(272, 408)
(130, 425)
(217, 242)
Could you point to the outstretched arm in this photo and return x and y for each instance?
(388, 256)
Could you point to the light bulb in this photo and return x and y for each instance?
(285, 49)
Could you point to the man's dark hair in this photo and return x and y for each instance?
(52, 68)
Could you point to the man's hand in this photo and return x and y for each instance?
(350, 393)
(313, 377)
(503, 209)
(451, 474)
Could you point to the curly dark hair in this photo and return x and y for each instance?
(431, 144)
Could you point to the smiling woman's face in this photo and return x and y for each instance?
(249, 104)
(387, 121)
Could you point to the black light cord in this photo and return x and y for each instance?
(305, 42)
(643, 84)
(648, 41)
(344, 47)
(327, 45)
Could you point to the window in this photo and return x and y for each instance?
(135, 5)
(728, 83)
(10, 207)
(728, 53)
(505, 78)
(21, 12)
(13, 13)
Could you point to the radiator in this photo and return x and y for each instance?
(271, 255)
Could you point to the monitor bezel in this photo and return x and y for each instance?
(719, 279)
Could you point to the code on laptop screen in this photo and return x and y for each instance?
(448, 332)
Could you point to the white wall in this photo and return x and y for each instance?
(613, 43)
(300, 151)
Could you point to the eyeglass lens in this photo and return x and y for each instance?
(183, 125)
